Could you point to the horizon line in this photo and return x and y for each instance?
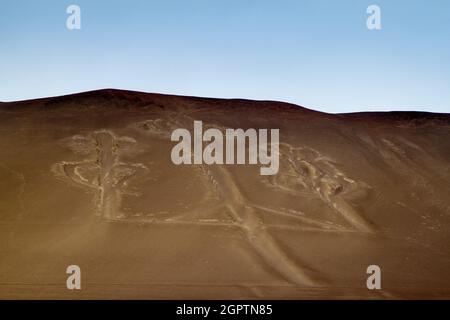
(217, 98)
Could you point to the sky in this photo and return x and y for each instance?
(315, 53)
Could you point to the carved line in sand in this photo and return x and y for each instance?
(104, 174)
(305, 170)
(243, 212)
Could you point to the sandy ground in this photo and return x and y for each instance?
(87, 179)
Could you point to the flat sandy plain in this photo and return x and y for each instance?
(87, 179)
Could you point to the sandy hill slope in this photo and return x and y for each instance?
(87, 179)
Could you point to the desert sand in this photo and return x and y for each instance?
(87, 179)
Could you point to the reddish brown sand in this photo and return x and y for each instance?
(87, 179)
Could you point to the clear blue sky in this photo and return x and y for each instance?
(315, 53)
